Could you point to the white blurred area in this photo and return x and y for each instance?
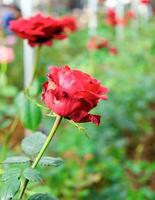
(7, 2)
(142, 9)
(139, 8)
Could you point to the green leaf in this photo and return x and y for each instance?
(41, 197)
(9, 189)
(32, 175)
(17, 160)
(11, 174)
(51, 161)
(33, 143)
(36, 86)
(29, 113)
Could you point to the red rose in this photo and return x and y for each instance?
(145, 1)
(97, 42)
(112, 19)
(72, 94)
(130, 14)
(103, 44)
(113, 51)
(69, 23)
(39, 29)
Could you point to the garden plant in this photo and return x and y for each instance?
(59, 138)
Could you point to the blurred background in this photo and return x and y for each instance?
(115, 161)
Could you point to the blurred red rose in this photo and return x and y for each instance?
(39, 29)
(113, 51)
(72, 94)
(129, 15)
(145, 1)
(69, 23)
(97, 42)
(112, 19)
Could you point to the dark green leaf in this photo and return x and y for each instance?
(17, 159)
(29, 113)
(41, 197)
(9, 189)
(32, 175)
(51, 161)
(33, 143)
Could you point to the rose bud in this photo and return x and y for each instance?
(72, 94)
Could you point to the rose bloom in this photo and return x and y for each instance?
(97, 42)
(41, 30)
(145, 2)
(113, 51)
(6, 55)
(129, 15)
(72, 94)
(69, 23)
(112, 19)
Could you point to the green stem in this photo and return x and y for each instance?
(34, 73)
(36, 62)
(36, 161)
(4, 67)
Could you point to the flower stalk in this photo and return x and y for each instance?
(42, 151)
(36, 62)
(4, 66)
